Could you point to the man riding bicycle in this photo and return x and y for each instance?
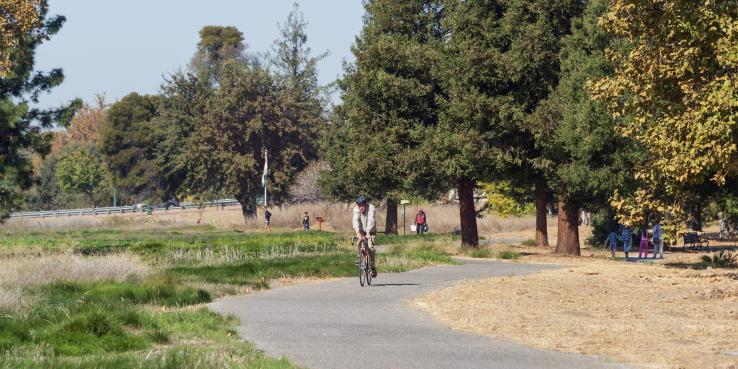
(365, 227)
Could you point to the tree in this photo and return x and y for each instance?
(184, 99)
(127, 141)
(677, 90)
(390, 93)
(218, 45)
(21, 125)
(300, 95)
(81, 170)
(226, 148)
(501, 61)
(582, 153)
(85, 126)
(305, 187)
(18, 19)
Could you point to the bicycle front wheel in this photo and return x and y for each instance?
(367, 270)
(362, 274)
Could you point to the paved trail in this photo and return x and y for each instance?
(339, 325)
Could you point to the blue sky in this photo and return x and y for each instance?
(117, 47)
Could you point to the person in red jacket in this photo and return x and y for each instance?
(420, 222)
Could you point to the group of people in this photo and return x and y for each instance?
(268, 219)
(625, 235)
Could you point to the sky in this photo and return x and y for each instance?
(116, 47)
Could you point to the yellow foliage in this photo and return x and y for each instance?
(678, 85)
(17, 19)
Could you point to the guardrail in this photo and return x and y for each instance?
(119, 209)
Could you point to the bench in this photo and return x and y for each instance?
(693, 239)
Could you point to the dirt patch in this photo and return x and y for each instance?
(647, 315)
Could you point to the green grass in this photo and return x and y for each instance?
(158, 244)
(149, 322)
(480, 253)
(383, 239)
(508, 255)
(257, 273)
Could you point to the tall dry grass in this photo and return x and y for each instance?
(441, 218)
(17, 273)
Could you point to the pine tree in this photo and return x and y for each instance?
(22, 125)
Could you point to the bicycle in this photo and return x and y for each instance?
(365, 269)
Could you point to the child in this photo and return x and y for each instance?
(612, 241)
(306, 221)
(267, 219)
(643, 247)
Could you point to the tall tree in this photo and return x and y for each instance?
(217, 46)
(226, 148)
(127, 141)
(184, 99)
(21, 125)
(678, 87)
(583, 155)
(300, 95)
(501, 62)
(390, 93)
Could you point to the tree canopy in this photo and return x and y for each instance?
(676, 92)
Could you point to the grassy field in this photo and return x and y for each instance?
(134, 299)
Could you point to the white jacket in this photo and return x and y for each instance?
(365, 222)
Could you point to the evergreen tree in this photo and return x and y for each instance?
(390, 94)
(584, 157)
(501, 61)
(22, 125)
(300, 95)
(128, 143)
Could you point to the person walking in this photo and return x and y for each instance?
(658, 241)
(643, 246)
(420, 222)
(306, 222)
(626, 237)
(612, 241)
(267, 219)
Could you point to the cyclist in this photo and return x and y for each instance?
(365, 226)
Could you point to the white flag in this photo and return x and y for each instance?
(264, 175)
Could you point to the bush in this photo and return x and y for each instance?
(509, 255)
(721, 259)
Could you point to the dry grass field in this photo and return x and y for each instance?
(441, 218)
(653, 314)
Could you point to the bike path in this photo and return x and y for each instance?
(338, 324)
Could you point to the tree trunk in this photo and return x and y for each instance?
(567, 241)
(390, 226)
(467, 212)
(541, 214)
(248, 208)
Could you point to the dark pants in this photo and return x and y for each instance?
(420, 228)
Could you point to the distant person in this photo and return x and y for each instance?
(612, 241)
(420, 222)
(658, 241)
(643, 246)
(364, 224)
(267, 219)
(306, 221)
(626, 236)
